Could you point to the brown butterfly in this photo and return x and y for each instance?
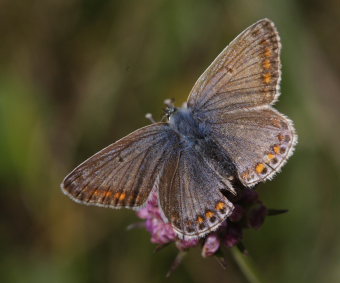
(227, 131)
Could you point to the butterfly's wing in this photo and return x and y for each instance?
(124, 173)
(245, 75)
(233, 97)
(259, 142)
(190, 195)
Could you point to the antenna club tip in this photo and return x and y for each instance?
(150, 117)
(169, 102)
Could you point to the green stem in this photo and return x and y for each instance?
(247, 266)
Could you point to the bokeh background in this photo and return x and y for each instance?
(76, 75)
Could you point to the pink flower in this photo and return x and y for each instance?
(211, 245)
(249, 212)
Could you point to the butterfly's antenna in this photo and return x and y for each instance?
(150, 117)
(170, 102)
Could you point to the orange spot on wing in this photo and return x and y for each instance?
(271, 156)
(277, 149)
(260, 167)
(220, 205)
(108, 194)
(245, 175)
(200, 219)
(277, 124)
(267, 78)
(122, 196)
(209, 214)
(280, 137)
(268, 52)
(266, 64)
(265, 42)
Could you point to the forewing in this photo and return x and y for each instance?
(245, 75)
(190, 197)
(122, 174)
(258, 142)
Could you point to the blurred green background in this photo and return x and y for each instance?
(76, 75)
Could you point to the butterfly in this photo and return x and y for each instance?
(227, 131)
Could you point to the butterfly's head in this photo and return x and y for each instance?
(170, 108)
(169, 111)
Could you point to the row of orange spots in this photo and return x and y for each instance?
(101, 193)
(108, 194)
(261, 168)
(277, 149)
(267, 78)
(210, 214)
(120, 196)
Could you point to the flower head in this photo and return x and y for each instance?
(161, 232)
(249, 212)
